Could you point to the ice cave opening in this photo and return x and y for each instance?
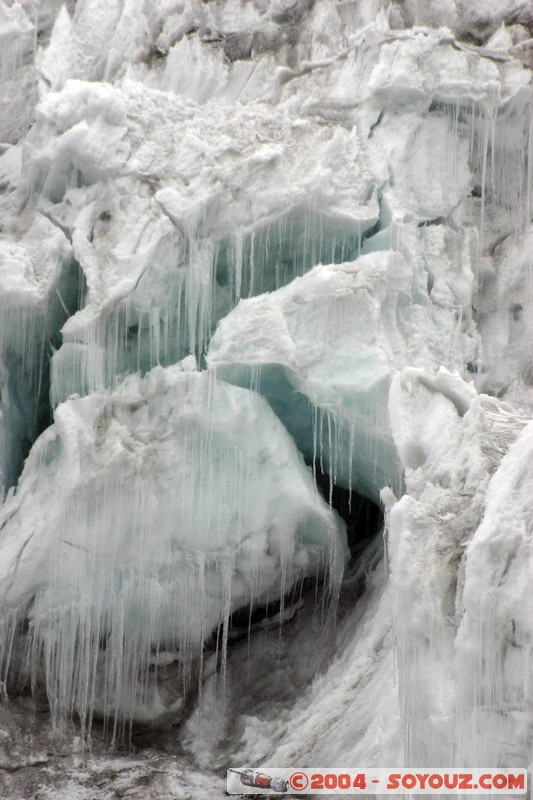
(364, 519)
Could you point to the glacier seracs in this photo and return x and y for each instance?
(159, 510)
(237, 235)
(450, 481)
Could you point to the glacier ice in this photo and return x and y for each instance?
(40, 289)
(408, 683)
(324, 350)
(158, 511)
(496, 695)
(432, 530)
(244, 246)
(196, 241)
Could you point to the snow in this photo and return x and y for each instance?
(17, 76)
(244, 246)
(448, 483)
(497, 697)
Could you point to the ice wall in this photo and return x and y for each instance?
(40, 288)
(431, 665)
(142, 521)
(451, 485)
(327, 205)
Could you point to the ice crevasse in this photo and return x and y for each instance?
(244, 244)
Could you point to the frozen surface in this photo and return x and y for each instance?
(324, 349)
(247, 247)
(451, 486)
(403, 681)
(39, 291)
(158, 511)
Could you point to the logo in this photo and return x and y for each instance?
(299, 781)
(260, 780)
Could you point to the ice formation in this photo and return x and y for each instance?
(158, 511)
(244, 243)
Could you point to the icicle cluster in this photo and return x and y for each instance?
(159, 511)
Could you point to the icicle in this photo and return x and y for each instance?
(145, 559)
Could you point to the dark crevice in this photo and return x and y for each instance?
(443, 108)
(435, 221)
(475, 367)
(27, 408)
(371, 231)
(376, 228)
(250, 619)
(363, 518)
(376, 123)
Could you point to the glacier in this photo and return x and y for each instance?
(161, 528)
(266, 387)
